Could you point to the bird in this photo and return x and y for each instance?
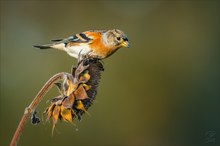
(94, 43)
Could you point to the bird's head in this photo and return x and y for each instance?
(116, 38)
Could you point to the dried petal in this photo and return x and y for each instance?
(56, 113)
(68, 101)
(50, 111)
(80, 106)
(86, 87)
(66, 114)
(72, 87)
(80, 93)
(84, 78)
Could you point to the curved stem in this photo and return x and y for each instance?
(33, 105)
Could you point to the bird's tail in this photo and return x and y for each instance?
(48, 46)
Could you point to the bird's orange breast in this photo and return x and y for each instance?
(97, 45)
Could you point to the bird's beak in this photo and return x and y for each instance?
(125, 44)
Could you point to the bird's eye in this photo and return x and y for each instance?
(118, 38)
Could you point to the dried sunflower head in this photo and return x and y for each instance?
(77, 92)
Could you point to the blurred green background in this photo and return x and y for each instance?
(164, 90)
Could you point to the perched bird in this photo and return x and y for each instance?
(94, 43)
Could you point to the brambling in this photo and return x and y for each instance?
(94, 43)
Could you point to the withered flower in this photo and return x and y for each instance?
(77, 92)
(34, 119)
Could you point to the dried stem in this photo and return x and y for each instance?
(33, 105)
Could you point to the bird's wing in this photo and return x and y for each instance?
(83, 37)
(87, 37)
(56, 40)
(77, 38)
(94, 34)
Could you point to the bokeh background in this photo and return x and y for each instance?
(164, 90)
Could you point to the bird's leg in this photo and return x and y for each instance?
(87, 55)
(79, 57)
(83, 57)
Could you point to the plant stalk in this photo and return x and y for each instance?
(33, 105)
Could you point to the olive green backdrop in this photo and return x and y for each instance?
(164, 90)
